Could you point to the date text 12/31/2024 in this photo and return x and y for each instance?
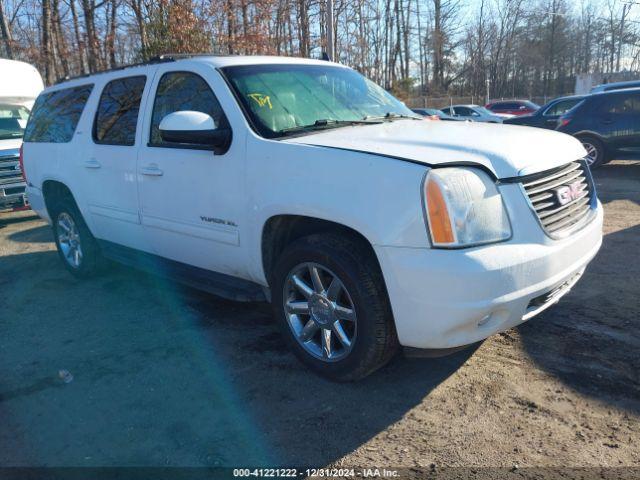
(315, 473)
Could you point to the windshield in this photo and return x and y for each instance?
(13, 120)
(484, 111)
(285, 99)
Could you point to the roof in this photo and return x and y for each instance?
(217, 61)
(19, 80)
(613, 85)
(509, 100)
(620, 91)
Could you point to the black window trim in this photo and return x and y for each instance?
(224, 124)
(95, 116)
(83, 85)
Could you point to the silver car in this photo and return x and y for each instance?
(475, 113)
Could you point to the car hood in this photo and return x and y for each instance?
(10, 146)
(505, 150)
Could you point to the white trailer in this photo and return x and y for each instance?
(20, 84)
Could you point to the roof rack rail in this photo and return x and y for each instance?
(151, 61)
(165, 57)
(179, 56)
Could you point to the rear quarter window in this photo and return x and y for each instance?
(56, 114)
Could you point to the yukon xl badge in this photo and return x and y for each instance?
(568, 193)
(219, 221)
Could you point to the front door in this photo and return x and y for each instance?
(191, 200)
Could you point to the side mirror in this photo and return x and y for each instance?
(194, 130)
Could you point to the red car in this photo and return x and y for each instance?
(512, 107)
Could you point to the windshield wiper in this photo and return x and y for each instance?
(328, 123)
(394, 116)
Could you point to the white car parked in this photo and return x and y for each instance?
(304, 183)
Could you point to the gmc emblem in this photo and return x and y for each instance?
(568, 193)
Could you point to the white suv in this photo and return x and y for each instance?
(303, 183)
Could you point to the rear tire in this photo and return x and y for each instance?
(339, 325)
(77, 248)
(596, 154)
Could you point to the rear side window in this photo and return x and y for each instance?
(623, 104)
(117, 114)
(179, 91)
(56, 114)
(465, 112)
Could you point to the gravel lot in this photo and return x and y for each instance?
(168, 376)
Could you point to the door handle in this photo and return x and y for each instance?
(152, 171)
(93, 163)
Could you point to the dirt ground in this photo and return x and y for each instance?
(168, 376)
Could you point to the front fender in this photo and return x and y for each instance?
(378, 197)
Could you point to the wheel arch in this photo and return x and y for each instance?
(52, 190)
(589, 133)
(279, 231)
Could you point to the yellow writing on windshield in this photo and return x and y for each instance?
(261, 99)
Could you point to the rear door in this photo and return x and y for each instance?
(465, 112)
(109, 166)
(619, 119)
(503, 107)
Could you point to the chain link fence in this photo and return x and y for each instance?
(442, 102)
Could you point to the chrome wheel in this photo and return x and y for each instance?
(320, 312)
(69, 240)
(592, 153)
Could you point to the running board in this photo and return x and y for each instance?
(225, 286)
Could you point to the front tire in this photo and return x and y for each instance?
(595, 151)
(76, 245)
(332, 306)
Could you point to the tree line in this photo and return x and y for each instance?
(413, 47)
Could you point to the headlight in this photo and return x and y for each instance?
(464, 208)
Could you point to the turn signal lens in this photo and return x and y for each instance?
(464, 208)
(563, 122)
(439, 221)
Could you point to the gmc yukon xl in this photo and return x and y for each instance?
(303, 183)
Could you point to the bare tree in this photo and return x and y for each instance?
(5, 30)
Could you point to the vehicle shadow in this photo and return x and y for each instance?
(591, 339)
(311, 421)
(618, 180)
(165, 375)
(39, 234)
(8, 218)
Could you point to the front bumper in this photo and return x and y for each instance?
(447, 298)
(12, 196)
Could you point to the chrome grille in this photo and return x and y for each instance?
(10, 173)
(563, 198)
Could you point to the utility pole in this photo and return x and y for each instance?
(488, 97)
(625, 11)
(331, 52)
